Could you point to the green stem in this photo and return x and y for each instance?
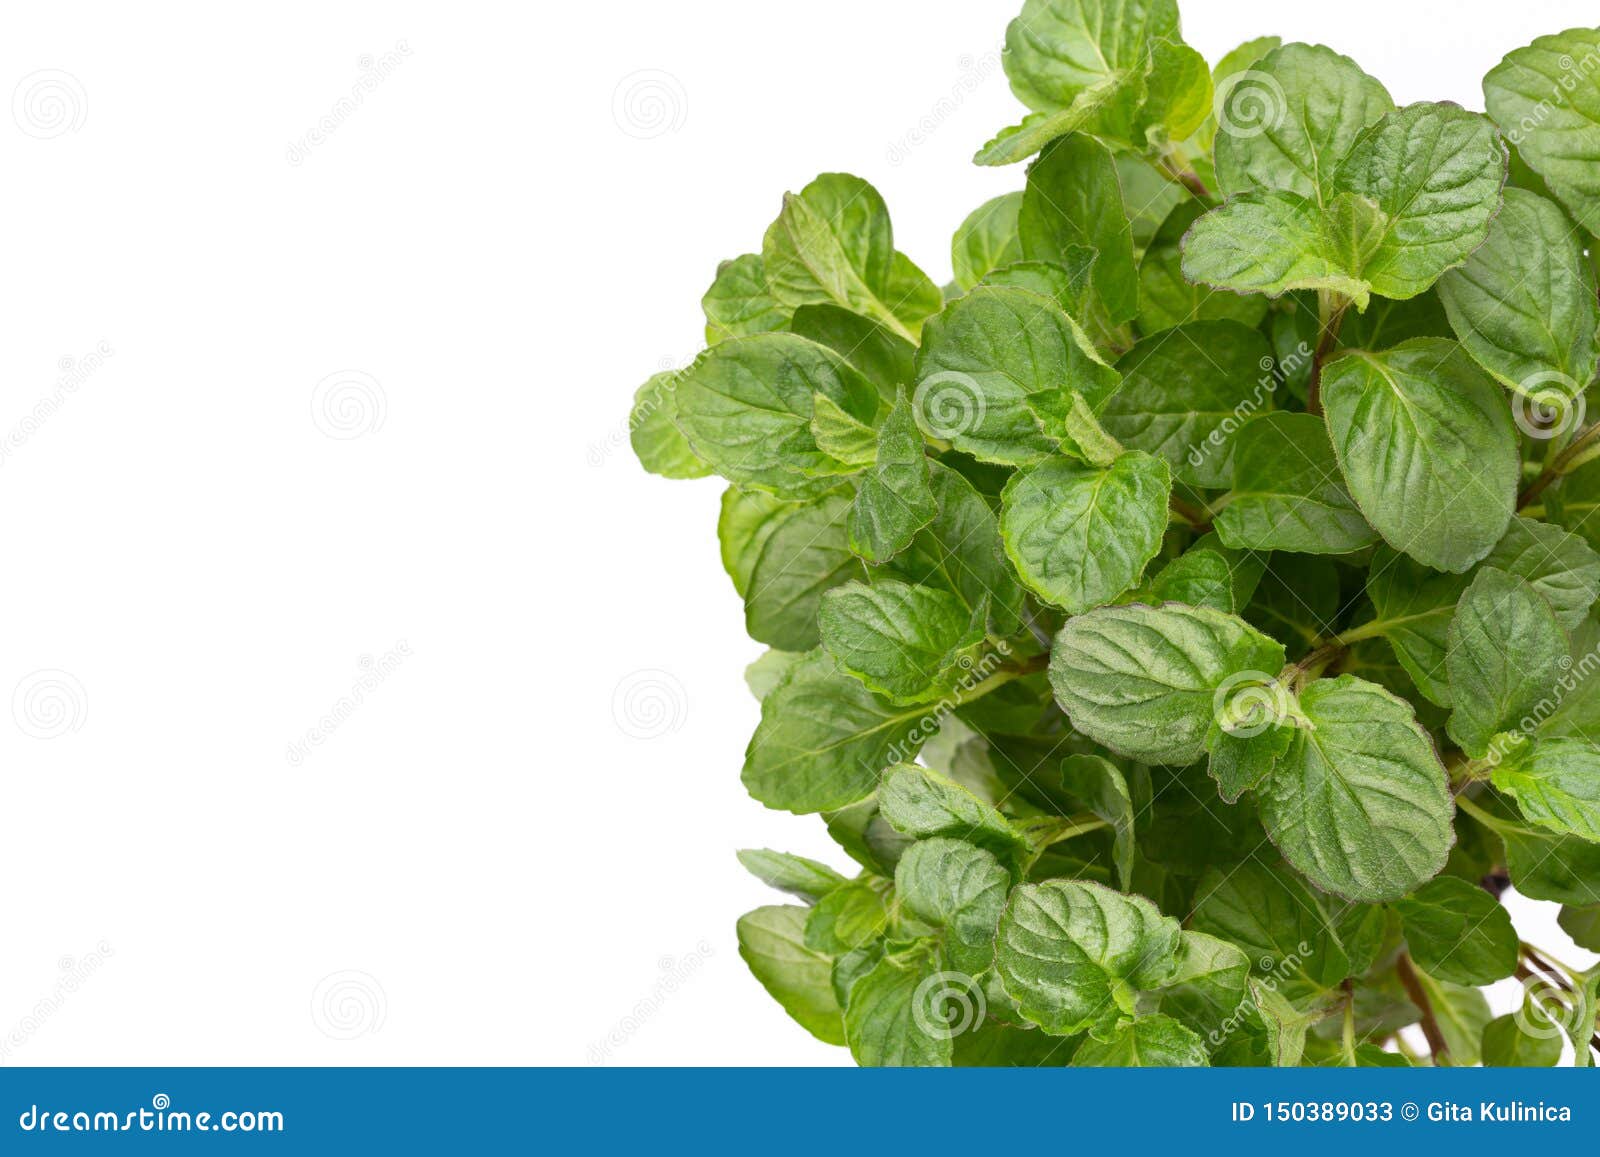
(1582, 450)
(1331, 308)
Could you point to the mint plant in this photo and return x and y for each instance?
(1183, 620)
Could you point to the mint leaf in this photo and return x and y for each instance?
(823, 738)
(1288, 493)
(1551, 112)
(1103, 788)
(1148, 682)
(891, 1022)
(653, 431)
(796, 875)
(924, 804)
(981, 359)
(1183, 392)
(1505, 650)
(1359, 802)
(1074, 198)
(957, 887)
(772, 942)
(1524, 303)
(882, 357)
(738, 304)
(849, 917)
(1285, 929)
(894, 499)
(1507, 1044)
(805, 554)
(1080, 535)
(1458, 932)
(905, 643)
(745, 406)
(1412, 608)
(1074, 956)
(1556, 783)
(1208, 986)
(1427, 448)
(1149, 1042)
(986, 240)
(833, 244)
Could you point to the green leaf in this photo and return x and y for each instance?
(1560, 566)
(805, 555)
(1147, 681)
(652, 429)
(1360, 802)
(1425, 441)
(1020, 141)
(1524, 304)
(1064, 416)
(1185, 391)
(1149, 1042)
(847, 918)
(903, 642)
(890, 1021)
(1546, 866)
(1556, 783)
(745, 522)
(1287, 122)
(1283, 927)
(1103, 788)
(1287, 490)
(960, 888)
(1550, 110)
(882, 357)
(1167, 298)
(925, 805)
(960, 551)
(1458, 932)
(894, 499)
(1067, 281)
(1080, 535)
(823, 738)
(1241, 761)
(1504, 655)
(1583, 925)
(772, 942)
(1200, 578)
(1209, 985)
(1297, 602)
(1073, 198)
(1507, 1044)
(1058, 49)
(833, 243)
(1413, 606)
(1461, 1013)
(1413, 198)
(787, 872)
(986, 240)
(769, 670)
(738, 304)
(841, 435)
(1074, 955)
(983, 356)
(745, 406)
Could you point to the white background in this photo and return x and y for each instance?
(487, 255)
